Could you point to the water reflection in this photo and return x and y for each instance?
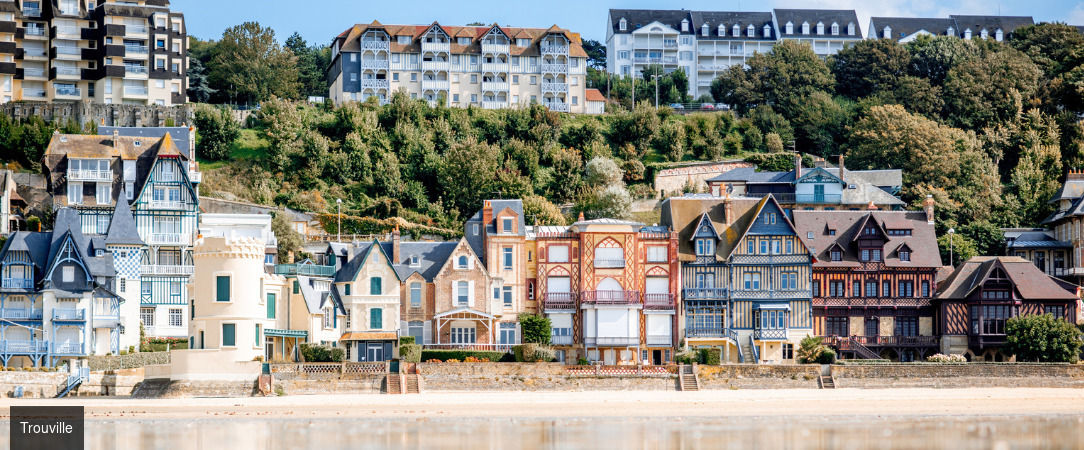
(898, 432)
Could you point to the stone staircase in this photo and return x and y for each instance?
(151, 388)
(687, 379)
(413, 383)
(394, 383)
(827, 382)
(747, 353)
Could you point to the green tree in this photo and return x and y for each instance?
(601, 172)
(310, 66)
(987, 237)
(1055, 47)
(961, 248)
(933, 57)
(289, 239)
(820, 123)
(782, 78)
(535, 329)
(596, 54)
(869, 67)
(217, 131)
(988, 90)
(1042, 338)
(635, 128)
(670, 141)
(199, 89)
(537, 209)
(250, 66)
(468, 176)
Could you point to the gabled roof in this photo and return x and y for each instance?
(991, 23)
(812, 228)
(638, 18)
(906, 26)
(36, 243)
(349, 272)
(683, 214)
(594, 95)
(348, 40)
(752, 219)
(180, 135)
(843, 17)
(315, 301)
(122, 226)
(819, 172)
(67, 224)
(1029, 282)
(1016, 238)
(431, 258)
(704, 228)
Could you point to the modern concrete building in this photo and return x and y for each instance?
(104, 51)
(490, 67)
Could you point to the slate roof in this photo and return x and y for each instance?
(1070, 190)
(683, 215)
(475, 240)
(431, 258)
(179, 134)
(991, 23)
(728, 19)
(349, 39)
(864, 190)
(848, 224)
(751, 176)
(316, 300)
(1029, 281)
(907, 26)
(826, 16)
(67, 223)
(639, 18)
(122, 226)
(1017, 238)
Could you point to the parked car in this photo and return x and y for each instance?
(677, 106)
(707, 106)
(722, 106)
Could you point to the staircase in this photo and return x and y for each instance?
(862, 350)
(394, 383)
(413, 383)
(753, 351)
(827, 382)
(73, 382)
(741, 350)
(151, 388)
(687, 379)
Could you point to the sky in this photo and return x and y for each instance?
(319, 21)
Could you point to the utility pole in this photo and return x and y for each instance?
(656, 76)
(339, 216)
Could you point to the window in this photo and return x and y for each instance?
(75, 193)
(835, 29)
(403, 40)
(353, 77)
(1057, 311)
(328, 318)
(837, 289)
(415, 295)
(507, 291)
(222, 293)
(123, 285)
(474, 59)
(229, 335)
(788, 281)
(417, 329)
(474, 98)
(704, 247)
(507, 257)
(461, 262)
(463, 335)
(102, 191)
(837, 255)
(905, 255)
(175, 288)
(463, 41)
(507, 333)
(374, 286)
(395, 76)
(751, 281)
(146, 315)
(462, 297)
(523, 42)
(776, 247)
(534, 80)
(256, 342)
(750, 247)
(346, 289)
(507, 225)
(176, 317)
(989, 319)
(67, 274)
(837, 326)
(925, 288)
(856, 289)
(413, 77)
(816, 285)
(871, 288)
(474, 79)
(905, 289)
(764, 247)
(624, 25)
(297, 287)
(790, 247)
(558, 253)
(906, 326)
(376, 319)
(270, 305)
(886, 289)
(657, 253)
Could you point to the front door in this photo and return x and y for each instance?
(656, 357)
(269, 348)
(818, 193)
(375, 353)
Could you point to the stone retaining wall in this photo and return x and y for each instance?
(45, 384)
(873, 376)
(129, 361)
(530, 377)
(208, 388)
(759, 376)
(369, 384)
(86, 112)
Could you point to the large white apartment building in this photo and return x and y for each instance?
(705, 43)
(490, 67)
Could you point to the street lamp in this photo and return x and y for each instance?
(951, 232)
(656, 77)
(339, 216)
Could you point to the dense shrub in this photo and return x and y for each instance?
(939, 358)
(710, 356)
(828, 356)
(321, 353)
(458, 355)
(687, 357)
(410, 353)
(535, 328)
(534, 353)
(1042, 338)
(405, 340)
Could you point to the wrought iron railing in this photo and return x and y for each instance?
(611, 297)
(69, 314)
(660, 340)
(559, 300)
(166, 269)
(871, 301)
(658, 301)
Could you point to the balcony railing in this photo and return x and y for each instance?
(561, 340)
(781, 197)
(560, 300)
(68, 92)
(135, 49)
(166, 269)
(554, 68)
(374, 64)
(557, 106)
(495, 67)
(435, 65)
(770, 333)
(494, 86)
(34, 93)
(305, 269)
(22, 314)
(32, 12)
(24, 347)
(68, 72)
(704, 293)
(89, 175)
(611, 297)
(435, 85)
(655, 60)
(17, 283)
(436, 47)
(375, 45)
(167, 204)
(68, 31)
(659, 301)
(609, 341)
(554, 49)
(69, 51)
(871, 301)
(79, 314)
(135, 70)
(817, 199)
(887, 341)
(135, 91)
(35, 53)
(195, 177)
(493, 104)
(660, 340)
(495, 48)
(555, 87)
(705, 332)
(609, 263)
(167, 239)
(135, 29)
(68, 349)
(35, 31)
(34, 72)
(375, 84)
(478, 347)
(768, 294)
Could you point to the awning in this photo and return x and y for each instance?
(464, 312)
(370, 336)
(286, 333)
(772, 307)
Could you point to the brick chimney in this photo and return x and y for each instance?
(797, 166)
(395, 240)
(871, 206)
(116, 137)
(728, 211)
(842, 169)
(928, 207)
(1075, 174)
(487, 213)
(580, 219)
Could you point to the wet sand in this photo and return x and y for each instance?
(795, 403)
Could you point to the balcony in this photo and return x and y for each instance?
(705, 332)
(561, 88)
(168, 204)
(833, 199)
(768, 294)
(24, 347)
(887, 341)
(33, 33)
(611, 297)
(669, 44)
(135, 92)
(135, 30)
(166, 269)
(33, 54)
(375, 84)
(494, 48)
(704, 293)
(375, 64)
(34, 94)
(135, 50)
(7, 47)
(496, 67)
(655, 60)
(167, 239)
(68, 93)
(770, 333)
(494, 86)
(305, 269)
(135, 71)
(862, 302)
(558, 107)
(555, 50)
(560, 340)
(436, 47)
(69, 53)
(659, 301)
(660, 341)
(32, 12)
(67, 32)
(987, 340)
(90, 175)
(68, 349)
(17, 283)
(195, 177)
(68, 73)
(559, 301)
(70, 315)
(608, 341)
(609, 263)
(435, 85)
(492, 104)
(555, 68)
(103, 313)
(22, 314)
(376, 46)
(771, 259)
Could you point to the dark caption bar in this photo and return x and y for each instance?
(46, 427)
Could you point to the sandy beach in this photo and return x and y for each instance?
(542, 405)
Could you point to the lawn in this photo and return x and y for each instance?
(246, 148)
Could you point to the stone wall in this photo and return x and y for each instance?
(368, 384)
(529, 377)
(674, 179)
(113, 115)
(759, 376)
(209, 388)
(46, 384)
(210, 205)
(129, 361)
(874, 376)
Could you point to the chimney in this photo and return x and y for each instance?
(581, 217)
(395, 239)
(1075, 174)
(728, 211)
(116, 137)
(842, 170)
(872, 207)
(797, 166)
(928, 207)
(487, 213)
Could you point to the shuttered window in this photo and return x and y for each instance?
(222, 288)
(270, 306)
(374, 286)
(229, 335)
(376, 319)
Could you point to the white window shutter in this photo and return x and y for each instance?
(470, 294)
(427, 332)
(519, 334)
(455, 295)
(404, 329)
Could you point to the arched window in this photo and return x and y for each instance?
(624, 24)
(820, 28)
(462, 262)
(704, 30)
(805, 27)
(790, 28)
(887, 33)
(835, 29)
(767, 31)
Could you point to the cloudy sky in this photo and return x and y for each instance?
(321, 20)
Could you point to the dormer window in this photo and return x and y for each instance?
(850, 29)
(414, 261)
(835, 29)
(950, 32)
(705, 247)
(751, 31)
(805, 27)
(870, 255)
(624, 25)
(887, 33)
(684, 24)
(506, 225)
(722, 30)
(767, 31)
(790, 28)
(837, 255)
(704, 30)
(998, 35)
(736, 31)
(905, 254)
(967, 33)
(984, 34)
(820, 28)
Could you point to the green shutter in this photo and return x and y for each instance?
(374, 286)
(297, 287)
(347, 289)
(270, 306)
(223, 289)
(229, 337)
(257, 334)
(376, 318)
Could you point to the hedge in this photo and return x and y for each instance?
(410, 353)
(710, 356)
(372, 225)
(444, 355)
